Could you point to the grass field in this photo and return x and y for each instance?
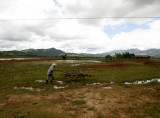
(81, 98)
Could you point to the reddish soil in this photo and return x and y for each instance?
(114, 66)
(149, 62)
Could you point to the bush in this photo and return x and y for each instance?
(64, 57)
(123, 55)
(108, 57)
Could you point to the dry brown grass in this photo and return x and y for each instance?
(117, 102)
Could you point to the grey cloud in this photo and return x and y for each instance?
(92, 49)
(64, 37)
(9, 32)
(77, 9)
(138, 8)
(144, 2)
(14, 34)
(7, 45)
(105, 8)
(36, 29)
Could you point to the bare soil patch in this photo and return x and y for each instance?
(149, 62)
(97, 102)
(113, 66)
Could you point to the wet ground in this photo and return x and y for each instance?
(60, 85)
(111, 92)
(144, 81)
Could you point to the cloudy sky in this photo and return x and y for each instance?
(78, 26)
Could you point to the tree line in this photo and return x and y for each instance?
(124, 55)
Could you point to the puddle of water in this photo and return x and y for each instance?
(112, 82)
(98, 83)
(127, 83)
(60, 82)
(43, 81)
(59, 87)
(27, 88)
(143, 82)
(75, 65)
(107, 87)
(149, 89)
(78, 61)
(3, 59)
(40, 81)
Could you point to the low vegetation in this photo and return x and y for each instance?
(80, 97)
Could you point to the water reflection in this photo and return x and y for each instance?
(59, 87)
(79, 61)
(143, 82)
(27, 88)
(5, 59)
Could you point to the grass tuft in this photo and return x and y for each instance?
(78, 102)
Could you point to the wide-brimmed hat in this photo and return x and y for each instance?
(54, 64)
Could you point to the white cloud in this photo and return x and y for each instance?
(141, 38)
(81, 36)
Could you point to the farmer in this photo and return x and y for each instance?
(50, 76)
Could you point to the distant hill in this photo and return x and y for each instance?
(33, 52)
(121, 51)
(150, 52)
(55, 52)
(11, 53)
(43, 52)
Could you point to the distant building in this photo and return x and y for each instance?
(132, 56)
(139, 56)
(142, 56)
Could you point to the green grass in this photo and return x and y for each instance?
(25, 74)
(152, 109)
(78, 102)
(134, 72)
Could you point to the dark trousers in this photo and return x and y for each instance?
(50, 78)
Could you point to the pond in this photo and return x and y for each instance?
(3, 59)
(79, 61)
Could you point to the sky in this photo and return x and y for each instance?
(79, 26)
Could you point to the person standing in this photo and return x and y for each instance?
(50, 76)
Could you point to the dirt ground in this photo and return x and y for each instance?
(86, 102)
(149, 62)
(81, 99)
(113, 66)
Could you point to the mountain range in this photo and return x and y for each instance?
(52, 52)
(150, 52)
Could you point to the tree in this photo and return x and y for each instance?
(118, 55)
(108, 57)
(126, 55)
(64, 57)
